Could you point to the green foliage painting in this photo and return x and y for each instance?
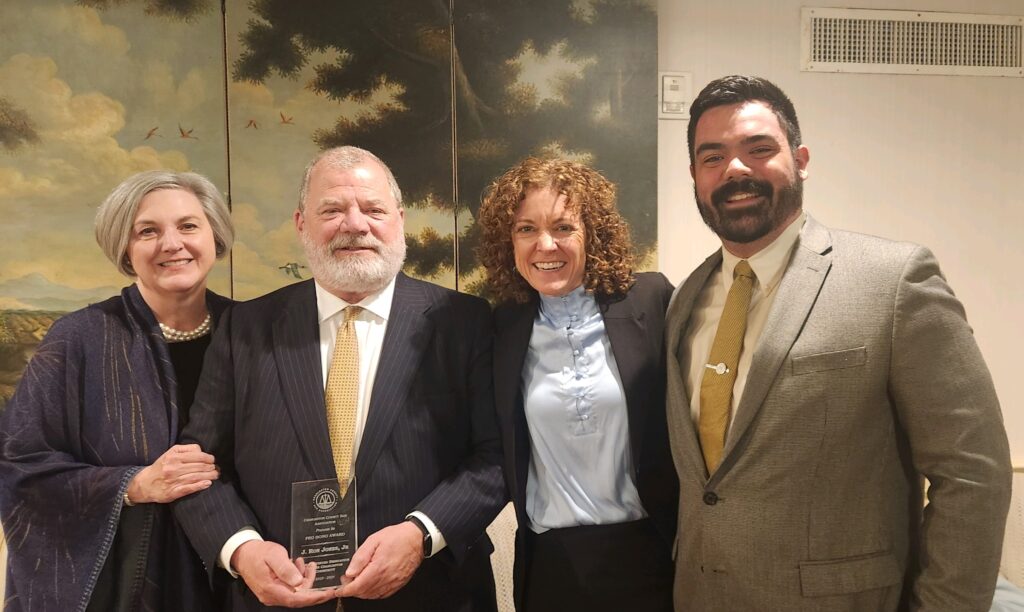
(448, 92)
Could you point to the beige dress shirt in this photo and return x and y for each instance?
(769, 264)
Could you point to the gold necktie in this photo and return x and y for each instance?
(342, 396)
(720, 373)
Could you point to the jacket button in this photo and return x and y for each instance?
(710, 498)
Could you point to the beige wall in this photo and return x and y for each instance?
(930, 159)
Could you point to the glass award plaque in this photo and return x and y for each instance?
(324, 528)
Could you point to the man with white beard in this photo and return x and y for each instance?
(406, 364)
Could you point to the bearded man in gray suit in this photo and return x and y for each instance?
(852, 376)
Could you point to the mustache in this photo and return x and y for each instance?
(348, 241)
(747, 185)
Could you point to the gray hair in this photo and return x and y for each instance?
(116, 215)
(346, 158)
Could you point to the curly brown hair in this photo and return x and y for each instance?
(609, 250)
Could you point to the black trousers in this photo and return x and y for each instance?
(625, 566)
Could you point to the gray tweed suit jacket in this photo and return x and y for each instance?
(866, 380)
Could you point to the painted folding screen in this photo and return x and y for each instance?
(448, 92)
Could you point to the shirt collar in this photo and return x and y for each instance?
(379, 303)
(575, 306)
(768, 263)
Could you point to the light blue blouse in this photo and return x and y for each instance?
(581, 469)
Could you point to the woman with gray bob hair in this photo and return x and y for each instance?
(88, 457)
(116, 214)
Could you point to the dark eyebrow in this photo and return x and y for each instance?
(717, 146)
(758, 138)
(709, 146)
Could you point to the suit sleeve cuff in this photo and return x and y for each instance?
(436, 539)
(241, 536)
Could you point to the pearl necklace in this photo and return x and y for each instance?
(174, 335)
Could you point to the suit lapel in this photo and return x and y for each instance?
(296, 337)
(513, 340)
(627, 332)
(678, 406)
(797, 292)
(405, 341)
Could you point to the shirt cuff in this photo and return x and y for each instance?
(436, 539)
(241, 536)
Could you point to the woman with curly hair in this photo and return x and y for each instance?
(579, 379)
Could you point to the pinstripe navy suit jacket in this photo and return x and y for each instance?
(430, 442)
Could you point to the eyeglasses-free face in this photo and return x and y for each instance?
(549, 242)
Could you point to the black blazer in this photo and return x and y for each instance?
(430, 442)
(635, 326)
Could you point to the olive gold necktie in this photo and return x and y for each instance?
(720, 371)
(342, 396)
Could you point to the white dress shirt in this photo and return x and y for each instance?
(370, 326)
(769, 264)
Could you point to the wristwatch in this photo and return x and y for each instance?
(428, 541)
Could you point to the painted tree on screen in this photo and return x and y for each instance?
(460, 109)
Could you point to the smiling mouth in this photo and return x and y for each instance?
(355, 249)
(548, 266)
(736, 197)
(175, 263)
(741, 194)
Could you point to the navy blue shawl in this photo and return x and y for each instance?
(97, 402)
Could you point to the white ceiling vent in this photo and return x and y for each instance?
(911, 42)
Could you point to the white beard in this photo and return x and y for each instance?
(358, 274)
